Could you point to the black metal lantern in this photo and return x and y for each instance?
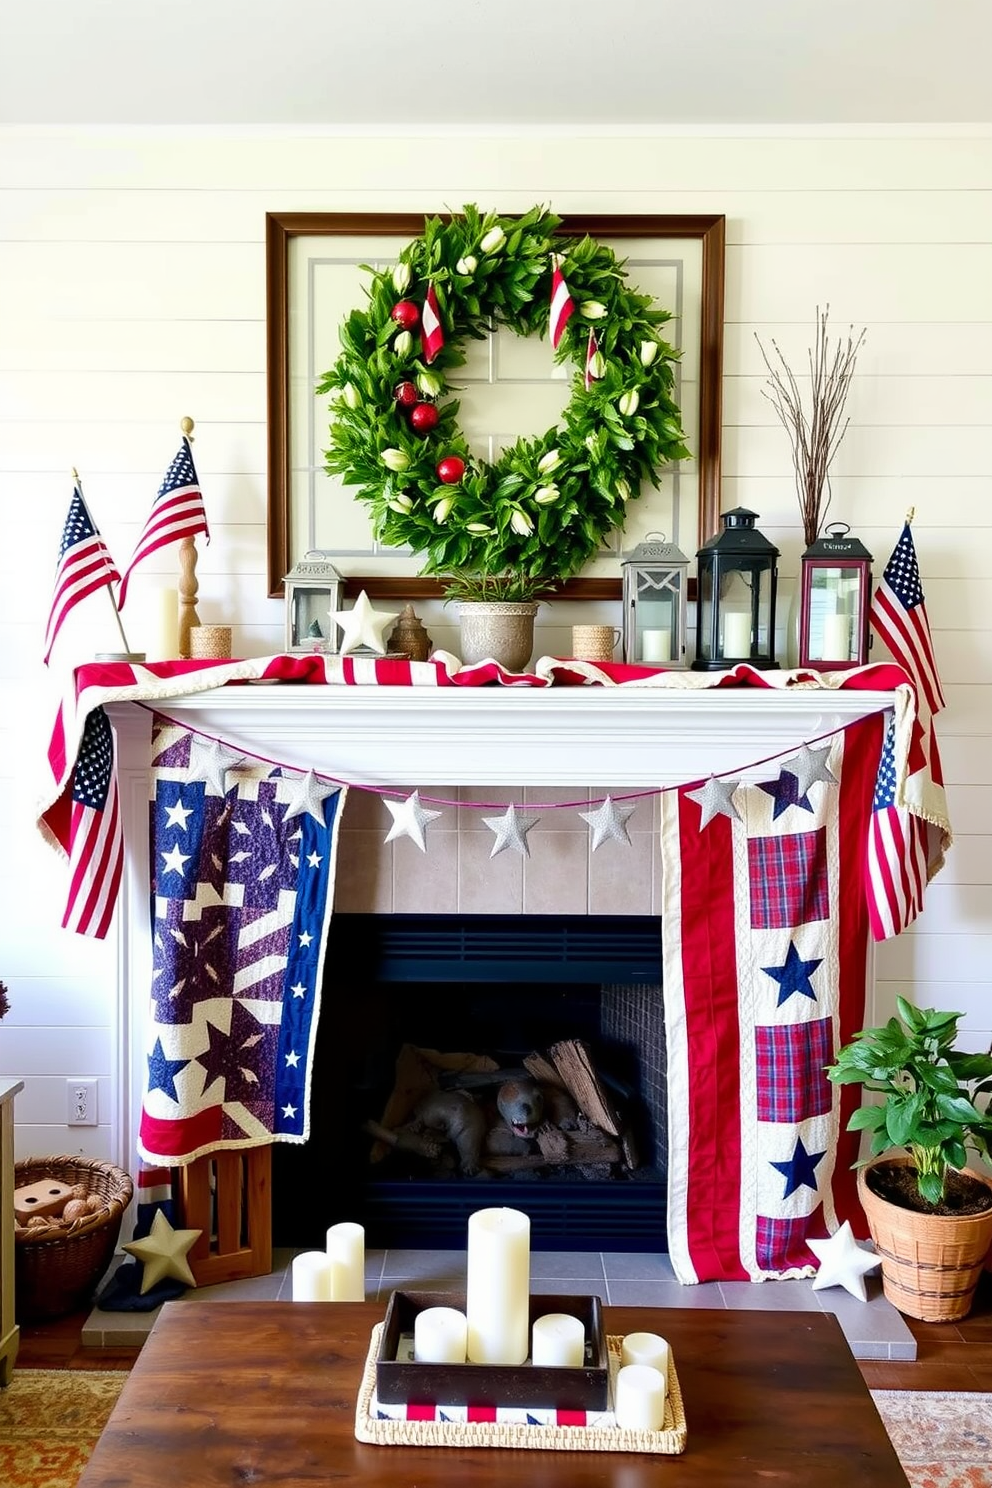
(735, 602)
(655, 587)
(836, 596)
(313, 593)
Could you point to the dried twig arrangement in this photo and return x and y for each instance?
(816, 435)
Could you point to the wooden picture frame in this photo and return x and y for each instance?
(282, 227)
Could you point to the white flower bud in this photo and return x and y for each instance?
(395, 459)
(428, 384)
(592, 309)
(467, 265)
(401, 278)
(401, 504)
(493, 240)
(549, 462)
(627, 402)
(443, 509)
(480, 529)
(623, 489)
(597, 365)
(521, 523)
(403, 345)
(649, 350)
(547, 495)
(351, 395)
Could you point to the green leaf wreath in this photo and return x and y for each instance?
(536, 515)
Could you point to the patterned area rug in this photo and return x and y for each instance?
(943, 1439)
(50, 1420)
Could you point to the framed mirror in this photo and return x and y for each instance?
(314, 278)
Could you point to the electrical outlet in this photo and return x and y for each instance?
(81, 1103)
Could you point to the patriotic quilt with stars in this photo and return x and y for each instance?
(765, 951)
(242, 872)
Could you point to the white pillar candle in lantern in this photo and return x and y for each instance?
(498, 1286)
(440, 1336)
(640, 1398)
(646, 1348)
(836, 637)
(312, 1277)
(736, 634)
(346, 1254)
(656, 645)
(558, 1339)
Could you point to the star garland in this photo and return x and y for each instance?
(538, 513)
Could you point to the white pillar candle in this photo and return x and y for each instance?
(498, 1286)
(640, 1398)
(558, 1339)
(163, 626)
(656, 645)
(646, 1348)
(736, 634)
(346, 1254)
(837, 637)
(312, 1277)
(440, 1336)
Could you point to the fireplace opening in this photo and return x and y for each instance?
(502, 987)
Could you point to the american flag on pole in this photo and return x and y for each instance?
(95, 832)
(84, 565)
(431, 331)
(899, 617)
(242, 868)
(562, 304)
(765, 964)
(177, 512)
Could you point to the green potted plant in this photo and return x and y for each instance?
(929, 1215)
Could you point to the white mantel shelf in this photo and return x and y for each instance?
(509, 736)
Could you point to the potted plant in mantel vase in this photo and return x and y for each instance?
(929, 1215)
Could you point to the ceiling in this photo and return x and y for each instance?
(509, 63)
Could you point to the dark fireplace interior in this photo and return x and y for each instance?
(501, 986)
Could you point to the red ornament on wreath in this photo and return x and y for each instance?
(406, 394)
(450, 470)
(405, 314)
(423, 418)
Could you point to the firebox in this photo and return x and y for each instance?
(504, 987)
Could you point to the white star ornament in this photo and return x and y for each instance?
(843, 1262)
(715, 798)
(363, 626)
(511, 831)
(608, 822)
(164, 1251)
(308, 797)
(410, 819)
(809, 766)
(210, 760)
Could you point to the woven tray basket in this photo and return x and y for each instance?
(57, 1269)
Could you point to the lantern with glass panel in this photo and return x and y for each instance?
(655, 588)
(735, 601)
(313, 592)
(836, 596)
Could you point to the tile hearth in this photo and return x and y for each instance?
(874, 1329)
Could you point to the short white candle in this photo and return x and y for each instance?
(837, 637)
(497, 1292)
(439, 1336)
(646, 1348)
(312, 1277)
(346, 1254)
(558, 1339)
(640, 1398)
(163, 626)
(656, 645)
(736, 634)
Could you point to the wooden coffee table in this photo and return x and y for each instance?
(256, 1393)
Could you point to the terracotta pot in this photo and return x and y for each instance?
(931, 1263)
(497, 630)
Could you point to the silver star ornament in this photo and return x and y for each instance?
(511, 831)
(210, 760)
(410, 819)
(308, 796)
(363, 626)
(843, 1262)
(608, 822)
(809, 766)
(715, 798)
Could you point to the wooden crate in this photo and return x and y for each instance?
(228, 1195)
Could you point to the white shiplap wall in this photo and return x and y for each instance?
(132, 277)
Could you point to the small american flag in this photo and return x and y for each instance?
(431, 333)
(899, 617)
(562, 304)
(897, 852)
(96, 835)
(178, 512)
(84, 565)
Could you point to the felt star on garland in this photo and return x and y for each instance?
(809, 766)
(511, 831)
(308, 797)
(410, 819)
(843, 1262)
(363, 626)
(163, 1252)
(608, 822)
(715, 798)
(210, 760)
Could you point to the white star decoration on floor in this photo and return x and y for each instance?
(843, 1262)
(715, 799)
(511, 831)
(608, 822)
(410, 819)
(809, 766)
(363, 626)
(164, 1251)
(210, 760)
(309, 793)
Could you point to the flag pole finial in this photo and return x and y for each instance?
(75, 475)
(910, 515)
(187, 426)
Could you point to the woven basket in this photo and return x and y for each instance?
(57, 1268)
(931, 1263)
